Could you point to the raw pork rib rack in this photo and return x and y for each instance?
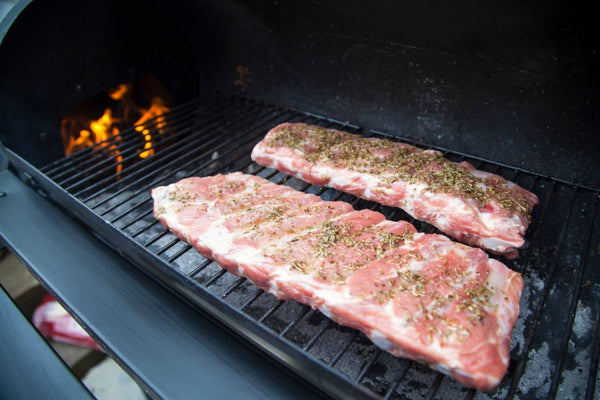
(475, 207)
(415, 295)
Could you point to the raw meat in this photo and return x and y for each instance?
(475, 207)
(415, 295)
(55, 323)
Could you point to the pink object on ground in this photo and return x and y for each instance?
(55, 323)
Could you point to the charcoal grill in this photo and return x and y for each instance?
(556, 342)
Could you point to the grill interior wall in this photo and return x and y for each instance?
(555, 343)
(57, 53)
(517, 84)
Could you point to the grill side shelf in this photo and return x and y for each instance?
(136, 320)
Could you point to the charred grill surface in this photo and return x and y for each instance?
(555, 349)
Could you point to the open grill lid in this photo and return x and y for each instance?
(554, 347)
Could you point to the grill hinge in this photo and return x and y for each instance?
(23, 175)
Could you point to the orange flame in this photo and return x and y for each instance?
(119, 92)
(79, 132)
(100, 130)
(157, 108)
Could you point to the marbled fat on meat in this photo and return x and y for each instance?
(475, 207)
(415, 295)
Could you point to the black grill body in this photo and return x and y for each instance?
(504, 89)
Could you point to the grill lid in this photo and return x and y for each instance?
(555, 347)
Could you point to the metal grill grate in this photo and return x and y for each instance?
(556, 343)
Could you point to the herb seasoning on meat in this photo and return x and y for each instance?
(473, 206)
(416, 295)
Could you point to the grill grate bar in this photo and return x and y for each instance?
(222, 144)
(593, 297)
(156, 238)
(396, 382)
(166, 247)
(520, 369)
(573, 306)
(270, 311)
(246, 142)
(133, 221)
(343, 349)
(232, 287)
(153, 162)
(251, 300)
(178, 254)
(154, 222)
(208, 121)
(170, 152)
(316, 336)
(117, 162)
(435, 386)
(201, 267)
(594, 361)
(131, 208)
(73, 161)
(368, 364)
(215, 277)
(119, 146)
(391, 390)
(143, 229)
(293, 322)
(139, 218)
(533, 230)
